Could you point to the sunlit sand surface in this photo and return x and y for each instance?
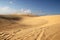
(29, 27)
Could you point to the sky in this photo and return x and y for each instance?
(39, 7)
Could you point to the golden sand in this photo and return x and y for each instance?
(29, 27)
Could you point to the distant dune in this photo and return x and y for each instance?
(29, 27)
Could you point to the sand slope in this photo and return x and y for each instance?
(30, 27)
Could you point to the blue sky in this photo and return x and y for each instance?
(39, 7)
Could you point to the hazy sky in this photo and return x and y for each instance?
(41, 7)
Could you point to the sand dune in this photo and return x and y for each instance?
(29, 27)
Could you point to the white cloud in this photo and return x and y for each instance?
(9, 10)
(25, 10)
(11, 2)
(4, 9)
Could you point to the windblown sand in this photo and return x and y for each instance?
(29, 27)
